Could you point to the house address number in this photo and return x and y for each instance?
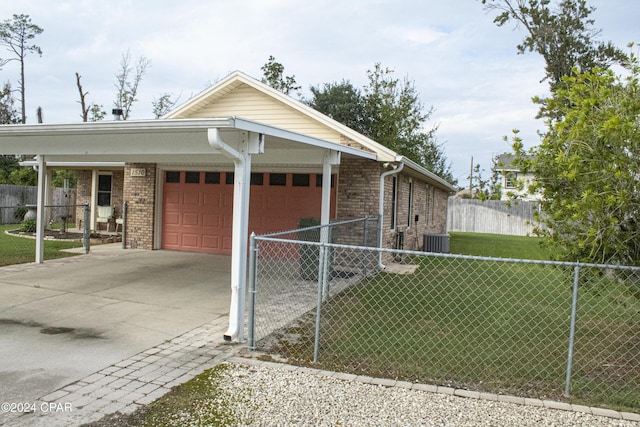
(138, 172)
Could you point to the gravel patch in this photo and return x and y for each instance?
(277, 396)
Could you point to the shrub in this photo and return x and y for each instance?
(19, 212)
(28, 225)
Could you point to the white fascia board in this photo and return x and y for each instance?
(118, 126)
(89, 165)
(423, 171)
(251, 126)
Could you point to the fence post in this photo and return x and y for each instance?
(574, 305)
(86, 232)
(253, 254)
(322, 272)
(124, 225)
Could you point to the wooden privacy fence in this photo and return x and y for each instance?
(491, 216)
(12, 196)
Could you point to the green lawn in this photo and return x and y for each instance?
(20, 250)
(499, 246)
(491, 326)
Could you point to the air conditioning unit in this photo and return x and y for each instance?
(435, 243)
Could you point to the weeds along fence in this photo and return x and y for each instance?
(18, 233)
(552, 330)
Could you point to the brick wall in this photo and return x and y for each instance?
(117, 187)
(139, 192)
(83, 194)
(358, 190)
(358, 183)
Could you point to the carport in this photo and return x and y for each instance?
(244, 143)
(67, 318)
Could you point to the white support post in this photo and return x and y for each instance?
(40, 214)
(242, 178)
(330, 158)
(245, 144)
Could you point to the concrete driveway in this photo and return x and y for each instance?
(65, 319)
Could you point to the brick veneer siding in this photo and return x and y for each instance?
(358, 190)
(140, 194)
(83, 194)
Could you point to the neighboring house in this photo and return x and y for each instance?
(239, 157)
(515, 183)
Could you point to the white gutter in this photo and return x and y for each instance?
(396, 169)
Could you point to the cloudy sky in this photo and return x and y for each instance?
(462, 64)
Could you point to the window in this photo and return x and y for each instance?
(319, 180)
(229, 178)
(301, 180)
(104, 189)
(172, 177)
(410, 205)
(212, 177)
(279, 179)
(426, 207)
(257, 179)
(192, 177)
(511, 179)
(433, 202)
(394, 201)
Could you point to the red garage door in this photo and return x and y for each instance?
(198, 207)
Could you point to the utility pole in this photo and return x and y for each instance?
(471, 178)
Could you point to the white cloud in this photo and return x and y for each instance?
(461, 63)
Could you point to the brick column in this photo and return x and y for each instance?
(139, 191)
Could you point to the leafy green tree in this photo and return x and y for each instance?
(163, 105)
(273, 75)
(16, 35)
(342, 102)
(8, 113)
(23, 176)
(60, 176)
(388, 111)
(485, 188)
(587, 167)
(563, 35)
(7, 165)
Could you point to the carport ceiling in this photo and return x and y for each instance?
(157, 141)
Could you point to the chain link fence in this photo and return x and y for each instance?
(62, 231)
(548, 330)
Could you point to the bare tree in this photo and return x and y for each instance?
(83, 104)
(128, 81)
(15, 35)
(97, 113)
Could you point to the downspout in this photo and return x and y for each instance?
(396, 169)
(242, 162)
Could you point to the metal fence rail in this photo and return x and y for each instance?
(530, 328)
